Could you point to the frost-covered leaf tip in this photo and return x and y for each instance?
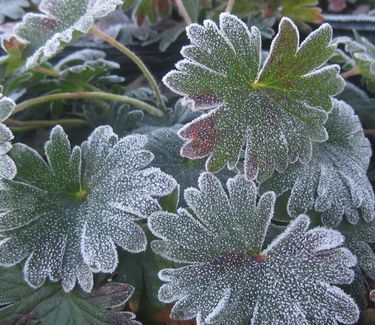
(59, 23)
(77, 207)
(230, 278)
(275, 109)
(334, 182)
(7, 166)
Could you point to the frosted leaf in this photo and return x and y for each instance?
(7, 167)
(274, 110)
(87, 65)
(229, 276)
(165, 145)
(22, 304)
(78, 207)
(60, 22)
(361, 57)
(358, 239)
(13, 9)
(334, 182)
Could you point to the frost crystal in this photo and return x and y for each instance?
(60, 22)
(78, 207)
(7, 167)
(231, 279)
(275, 110)
(334, 182)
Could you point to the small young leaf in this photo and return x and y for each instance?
(7, 166)
(231, 279)
(362, 58)
(60, 23)
(275, 110)
(13, 9)
(77, 207)
(334, 182)
(50, 305)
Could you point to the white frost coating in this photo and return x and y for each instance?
(7, 166)
(46, 34)
(13, 9)
(229, 278)
(334, 182)
(78, 207)
(275, 109)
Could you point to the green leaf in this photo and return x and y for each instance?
(230, 278)
(276, 110)
(88, 66)
(263, 24)
(121, 117)
(50, 305)
(165, 144)
(358, 239)
(301, 11)
(60, 22)
(78, 206)
(7, 166)
(152, 10)
(362, 58)
(334, 182)
(13, 9)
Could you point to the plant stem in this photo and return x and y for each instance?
(350, 73)
(230, 5)
(48, 72)
(21, 126)
(370, 132)
(131, 55)
(89, 95)
(183, 13)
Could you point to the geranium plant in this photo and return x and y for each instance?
(244, 202)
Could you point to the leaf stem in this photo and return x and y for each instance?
(183, 12)
(89, 95)
(131, 55)
(230, 5)
(350, 73)
(22, 126)
(48, 72)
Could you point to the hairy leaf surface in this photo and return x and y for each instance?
(7, 166)
(78, 207)
(334, 182)
(275, 109)
(50, 305)
(59, 23)
(230, 278)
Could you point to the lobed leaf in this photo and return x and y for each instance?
(334, 182)
(78, 206)
(7, 166)
(362, 58)
(230, 278)
(59, 23)
(275, 109)
(50, 305)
